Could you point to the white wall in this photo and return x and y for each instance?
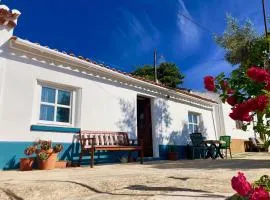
(101, 105)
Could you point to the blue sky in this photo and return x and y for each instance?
(123, 33)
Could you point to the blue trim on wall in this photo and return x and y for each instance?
(11, 152)
(54, 129)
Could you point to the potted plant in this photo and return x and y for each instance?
(172, 153)
(26, 164)
(47, 155)
(59, 163)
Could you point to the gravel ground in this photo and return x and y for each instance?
(183, 179)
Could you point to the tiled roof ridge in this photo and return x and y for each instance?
(125, 73)
(8, 17)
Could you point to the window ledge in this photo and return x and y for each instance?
(54, 129)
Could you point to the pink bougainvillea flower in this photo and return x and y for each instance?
(259, 194)
(209, 83)
(241, 185)
(231, 100)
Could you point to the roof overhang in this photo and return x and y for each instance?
(89, 67)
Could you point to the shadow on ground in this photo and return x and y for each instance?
(144, 188)
(11, 194)
(211, 164)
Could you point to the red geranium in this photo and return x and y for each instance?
(259, 103)
(241, 112)
(259, 194)
(241, 185)
(209, 83)
(231, 100)
(257, 74)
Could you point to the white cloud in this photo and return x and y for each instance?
(189, 37)
(139, 33)
(213, 65)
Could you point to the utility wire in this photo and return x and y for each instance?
(196, 23)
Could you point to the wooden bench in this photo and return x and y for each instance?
(92, 141)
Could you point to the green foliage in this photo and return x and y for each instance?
(43, 155)
(243, 45)
(235, 39)
(57, 148)
(263, 181)
(167, 73)
(147, 71)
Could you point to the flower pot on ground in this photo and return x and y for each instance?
(61, 164)
(47, 156)
(47, 161)
(172, 153)
(26, 164)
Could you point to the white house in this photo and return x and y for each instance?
(47, 94)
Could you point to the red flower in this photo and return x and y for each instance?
(257, 74)
(209, 83)
(259, 194)
(262, 102)
(240, 185)
(259, 103)
(241, 112)
(231, 100)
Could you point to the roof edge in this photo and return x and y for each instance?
(115, 73)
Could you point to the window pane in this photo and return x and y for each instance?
(63, 97)
(48, 95)
(195, 128)
(46, 113)
(189, 117)
(62, 114)
(195, 119)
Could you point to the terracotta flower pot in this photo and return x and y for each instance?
(61, 164)
(49, 163)
(172, 155)
(26, 164)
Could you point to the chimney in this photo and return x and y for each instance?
(8, 21)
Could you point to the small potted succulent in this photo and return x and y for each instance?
(172, 153)
(26, 164)
(47, 155)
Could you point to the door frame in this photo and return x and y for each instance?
(153, 132)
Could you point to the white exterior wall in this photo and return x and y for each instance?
(100, 105)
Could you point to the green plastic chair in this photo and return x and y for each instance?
(226, 145)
